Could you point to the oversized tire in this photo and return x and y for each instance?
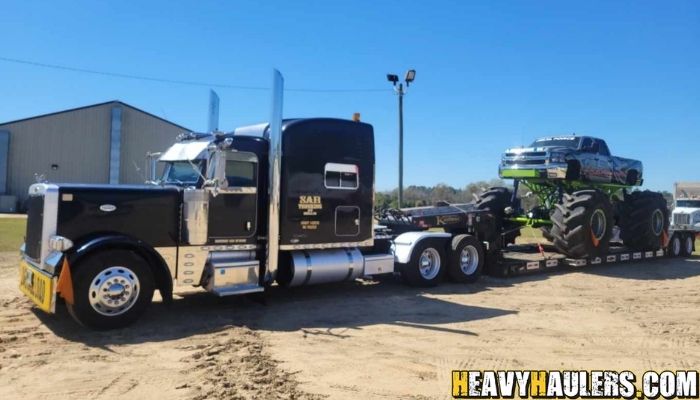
(465, 259)
(427, 264)
(112, 289)
(495, 200)
(547, 233)
(688, 244)
(644, 220)
(582, 224)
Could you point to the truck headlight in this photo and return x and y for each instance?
(696, 218)
(60, 243)
(557, 158)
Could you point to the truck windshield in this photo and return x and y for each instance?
(182, 172)
(688, 203)
(571, 142)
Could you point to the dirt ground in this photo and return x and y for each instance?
(358, 340)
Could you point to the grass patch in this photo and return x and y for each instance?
(12, 233)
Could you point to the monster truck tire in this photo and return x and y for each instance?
(582, 224)
(495, 200)
(644, 220)
(547, 233)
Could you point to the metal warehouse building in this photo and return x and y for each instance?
(101, 143)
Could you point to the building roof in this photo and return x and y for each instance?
(91, 106)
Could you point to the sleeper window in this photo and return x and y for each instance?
(341, 176)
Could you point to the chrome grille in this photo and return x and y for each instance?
(527, 158)
(35, 220)
(681, 219)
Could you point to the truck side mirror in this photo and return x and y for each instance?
(216, 171)
(152, 166)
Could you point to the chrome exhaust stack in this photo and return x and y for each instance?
(274, 136)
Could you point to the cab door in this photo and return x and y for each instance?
(232, 217)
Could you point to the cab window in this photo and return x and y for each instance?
(240, 173)
(241, 169)
(587, 145)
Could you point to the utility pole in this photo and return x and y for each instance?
(400, 91)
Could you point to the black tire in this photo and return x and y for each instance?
(411, 272)
(644, 220)
(495, 200)
(582, 224)
(121, 270)
(547, 233)
(675, 246)
(465, 259)
(688, 243)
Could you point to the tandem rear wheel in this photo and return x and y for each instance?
(461, 259)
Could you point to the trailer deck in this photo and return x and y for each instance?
(527, 259)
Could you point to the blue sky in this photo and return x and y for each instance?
(490, 74)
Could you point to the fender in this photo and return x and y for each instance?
(161, 272)
(405, 242)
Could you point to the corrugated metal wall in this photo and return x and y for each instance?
(142, 133)
(77, 142)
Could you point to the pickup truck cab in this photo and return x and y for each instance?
(574, 158)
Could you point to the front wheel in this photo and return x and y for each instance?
(675, 247)
(111, 289)
(688, 244)
(466, 259)
(425, 268)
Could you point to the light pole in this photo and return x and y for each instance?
(400, 91)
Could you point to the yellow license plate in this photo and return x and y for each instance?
(36, 285)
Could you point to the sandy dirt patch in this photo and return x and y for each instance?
(358, 340)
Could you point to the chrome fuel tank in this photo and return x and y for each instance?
(310, 267)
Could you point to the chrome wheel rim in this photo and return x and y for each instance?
(689, 245)
(469, 260)
(657, 222)
(599, 224)
(429, 263)
(114, 291)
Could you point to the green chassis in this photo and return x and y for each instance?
(547, 192)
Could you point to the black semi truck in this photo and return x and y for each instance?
(288, 202)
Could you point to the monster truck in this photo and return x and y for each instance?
(582, 192)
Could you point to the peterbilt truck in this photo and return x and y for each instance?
(685, 218)
(287, 202)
